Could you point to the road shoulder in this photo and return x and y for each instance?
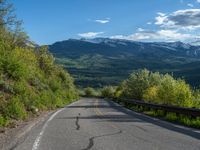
(11, 137)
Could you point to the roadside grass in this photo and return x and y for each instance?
(31, 82)
(168, 116)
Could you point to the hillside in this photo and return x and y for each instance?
(102, 61)
(30, 80)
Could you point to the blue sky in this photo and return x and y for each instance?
(48, 21)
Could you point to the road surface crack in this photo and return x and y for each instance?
(77, 122)
(91, 140)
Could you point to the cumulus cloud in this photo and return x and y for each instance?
(103, 21)
(161, 35)
(180, 25)
(90, 34)
(182, 19)
(160, 19)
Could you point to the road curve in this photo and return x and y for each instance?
(96, 124)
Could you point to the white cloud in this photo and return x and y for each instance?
(90, 34)
(103, 21)
(198, 1)
(161, 14)
(161, 35)
(140, 29)
(149, 23)
(160, 18)
(191, 5)
(181, 19)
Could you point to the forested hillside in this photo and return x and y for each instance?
(102, 61)
(30, 81)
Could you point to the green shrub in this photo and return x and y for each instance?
(15, 109)
(54, 85)
(14, 68)
(3, 121)
(151, 95)
(196, 100)
(90, 92)
(175, 92)
(108, 92)
(136, 84)
(157, 88)
(58, 102)
(171, 116)
(20, 87)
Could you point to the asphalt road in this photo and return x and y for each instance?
(95, 124)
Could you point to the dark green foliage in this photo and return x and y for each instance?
(108, 92)
(90, 92)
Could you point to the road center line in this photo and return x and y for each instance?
(98, 112)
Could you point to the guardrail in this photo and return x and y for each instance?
(193, 112)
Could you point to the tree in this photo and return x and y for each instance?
(7, 15)
(136, 84)
(10, 27)
(45, 59)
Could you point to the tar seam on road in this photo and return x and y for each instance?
(91, 140)
(77, 122)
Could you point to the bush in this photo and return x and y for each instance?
(175, 92)
(171, 116)
(108, 92)
(3, 121)
(196, 102)
(160, 89)
(151, 95)
(90, 92)
(13, 67)
(15, 109)
(136, 84)
(157, 88)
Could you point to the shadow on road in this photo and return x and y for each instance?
(187, 131)
(130, 116)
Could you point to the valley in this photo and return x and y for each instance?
(103, 61)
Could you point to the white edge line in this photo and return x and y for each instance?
(38, 139)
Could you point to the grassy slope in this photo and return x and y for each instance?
(30, 81)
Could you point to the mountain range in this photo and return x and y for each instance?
(104, 61)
